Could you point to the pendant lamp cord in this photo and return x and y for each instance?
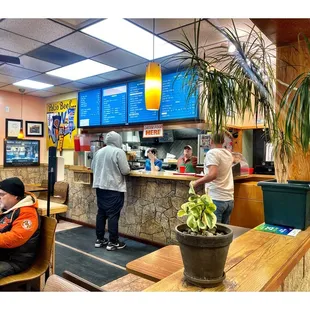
(153, 38)
(22, 91)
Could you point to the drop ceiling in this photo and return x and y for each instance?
(47, 44)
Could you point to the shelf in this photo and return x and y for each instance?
(82, 177)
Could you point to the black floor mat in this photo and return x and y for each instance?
(86, 267)
(83, 238)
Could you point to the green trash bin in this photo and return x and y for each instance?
(286, 204)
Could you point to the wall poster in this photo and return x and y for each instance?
(62, 119)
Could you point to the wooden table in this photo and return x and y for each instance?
(158, 264)
(257, 261)
(165, 261)
(54, 207)
(34, 188)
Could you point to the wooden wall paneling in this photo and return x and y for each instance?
(248, 208)
(300, 167)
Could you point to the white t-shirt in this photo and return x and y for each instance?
(222, 188)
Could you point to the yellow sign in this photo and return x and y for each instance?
(153, 131)
(62, 119)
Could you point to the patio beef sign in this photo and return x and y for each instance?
(62, 119)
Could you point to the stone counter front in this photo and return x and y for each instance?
(151, 207)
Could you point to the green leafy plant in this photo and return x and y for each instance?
(200, 212)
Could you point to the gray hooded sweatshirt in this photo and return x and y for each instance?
(110, 165)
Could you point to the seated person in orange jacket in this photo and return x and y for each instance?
(19, 227)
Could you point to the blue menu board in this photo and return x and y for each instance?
(137, 113)
(89, 107)
(114, 105)
(174, 102)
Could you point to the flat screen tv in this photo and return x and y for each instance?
(18, 153)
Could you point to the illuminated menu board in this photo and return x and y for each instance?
(114, 105)
(174, 102)
(137, 113)
(89, 108)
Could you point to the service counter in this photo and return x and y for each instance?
(152, 202)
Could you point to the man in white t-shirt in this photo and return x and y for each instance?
(218, 179)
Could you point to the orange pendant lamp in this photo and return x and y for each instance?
(153, 86)
(153, 82)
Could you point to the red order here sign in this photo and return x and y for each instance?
(153, 131)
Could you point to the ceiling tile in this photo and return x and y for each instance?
(94, 80)
(17, 71)
(208, 34)
(138, 70)
(173, 61)
(14, 89)
(55, 55)
(161, 24)
(75, 85)
(16, 43)
(83, 44)
(60, 90)
(36, 64)
(42, 93)
(165, 24)
(146, 23)
(40, 29)
(8, 53)
(117, 75)
(77, 23)
(49, 79)
(8, 79)
(119, 59)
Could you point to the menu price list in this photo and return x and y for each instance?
(137, 113)
(114, 105)
(174, 102)
(89, 108)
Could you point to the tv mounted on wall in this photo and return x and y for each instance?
(21, 153)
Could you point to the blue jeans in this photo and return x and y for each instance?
(223, 210)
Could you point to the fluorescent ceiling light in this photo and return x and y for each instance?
(81, 70)
(130, 37)
(32, 84)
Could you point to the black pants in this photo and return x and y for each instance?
(109, 204)
(7, 269)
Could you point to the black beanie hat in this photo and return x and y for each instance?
(13, 186)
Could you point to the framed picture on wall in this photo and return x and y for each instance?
(34, 129)
(12, 127)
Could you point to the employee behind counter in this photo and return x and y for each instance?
(188, 160)
(152, 163)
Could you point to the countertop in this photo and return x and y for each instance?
(168, 175)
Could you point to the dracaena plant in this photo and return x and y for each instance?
(200, 212)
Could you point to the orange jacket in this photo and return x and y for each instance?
(18, 224)
(19, 232)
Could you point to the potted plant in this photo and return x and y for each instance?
(243, 80)
(203, 243)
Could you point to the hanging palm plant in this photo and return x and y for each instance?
(242, 81)
(236, 81)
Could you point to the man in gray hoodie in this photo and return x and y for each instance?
(109, 167)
